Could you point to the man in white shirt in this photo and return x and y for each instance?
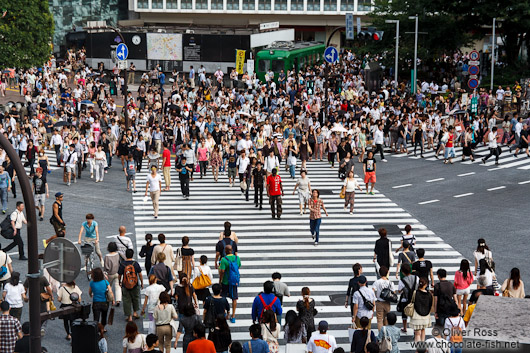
(70, 162)
(321, 342)
(362, 296)
(379, 139)
(242, 164)
(492, 144)
(123, 242)
(154, 187)
(17, 220)
(437, 344)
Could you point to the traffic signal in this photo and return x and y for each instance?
(371, 34)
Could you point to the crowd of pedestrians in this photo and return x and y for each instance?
(242, 133)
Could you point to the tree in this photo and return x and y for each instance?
(26, 33)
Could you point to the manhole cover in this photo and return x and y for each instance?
(336, 299)
(391, 229)
(325, 192)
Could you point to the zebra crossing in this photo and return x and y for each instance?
(268, 245)
(52, 159)
(506, 159)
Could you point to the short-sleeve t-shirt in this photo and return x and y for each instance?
(409, 258)
(99, 290)
(40, 185)
(225, 265)
(370, 164)
(274, 183)
(220, 305)
(167, 155)
(137, 267)
(130, 167)
(90, 231)
(422, 269)
(154, 182)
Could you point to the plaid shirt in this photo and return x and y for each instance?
(314, 208)
(9, 329)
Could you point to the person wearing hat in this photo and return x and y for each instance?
(40, 189)
(361, 298)
(321, 342)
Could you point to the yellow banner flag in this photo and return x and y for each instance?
(240, 61)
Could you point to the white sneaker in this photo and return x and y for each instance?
(384, 160)
(231, 184)
(301, 213)
(345, 208)
(91, 175)
(351, 212)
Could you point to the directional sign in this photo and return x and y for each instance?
(349, 26)
(122, 52)
(472, 83)
(331, 55)
(473, 70)
(474, 55)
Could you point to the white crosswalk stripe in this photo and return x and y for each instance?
(268, 245)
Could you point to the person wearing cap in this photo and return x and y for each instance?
(321, 342)
(40, 189)
(70, 160)
(360, 298)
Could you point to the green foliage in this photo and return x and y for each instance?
(25, 33)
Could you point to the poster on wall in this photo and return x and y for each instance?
(164, 46)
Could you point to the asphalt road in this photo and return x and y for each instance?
(496, 215)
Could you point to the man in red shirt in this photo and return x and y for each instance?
(166, 163)
(275, 193)
(200, 344)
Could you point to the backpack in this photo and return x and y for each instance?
(3, 269)
(130, 278)
(6, 229)
(233, 272)
(266, 307)
(209, 318)
(456, 332)
(223, 252)
(410, 291)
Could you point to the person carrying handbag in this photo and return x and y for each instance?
(421, 303)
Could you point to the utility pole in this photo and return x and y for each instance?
(396, 61)
(493, 44)
(414, 84)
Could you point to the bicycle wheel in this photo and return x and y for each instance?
(89, 266)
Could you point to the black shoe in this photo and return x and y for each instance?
(279, 217)
(41, 219)
(256, 205)
(23, 258)
(260, 208)
(273, 216)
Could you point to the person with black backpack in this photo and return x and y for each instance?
(129, 273)
(353, 285)
(363, 303)
(215, 306)
(444, 297)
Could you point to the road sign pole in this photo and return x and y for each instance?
(416, 55)
(396, 59)
(493, 42)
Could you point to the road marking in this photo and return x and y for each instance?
(497, 188)
(494, 169)
(433, 180)
(466, 174)
(426, 202)
(115, 235)
(401, 186)
(524, 182)
(463, 195)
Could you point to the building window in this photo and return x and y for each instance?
(313, 5)
(330, 5)
(297, 5)
(264, 5)
(142, 4)
(201, 4)
(217, 4)
(157, 4)
(172, 4)
(185, 5)
(346, 5)
(232, 4)
(280, 5)
(249, 5)
(364, 5)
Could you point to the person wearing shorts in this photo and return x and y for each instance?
(130, 172)
(232, 166)
(224, 276)
(40, 189)
(369, 172)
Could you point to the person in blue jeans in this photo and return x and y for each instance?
(315, 217)
(5, 187)
(256, 343)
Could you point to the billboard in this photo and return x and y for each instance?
(164, 46)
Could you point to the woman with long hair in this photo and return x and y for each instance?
(270, 330)
(349, 190)
(362, 337)
(514, 285)
(185, 294)
(421, 319)
(486, 270)
(315, 217)
(306, 311)
(99, 287)
(133, 341)
(215, 162)
(220, 336)
(15, 294)
(295, 331)
(463, 279)
(228, 232)
(482, 252)
(163, 314)
(63, 295)
(111, 265)
(187, 321)
(187, 255)
(305, 151)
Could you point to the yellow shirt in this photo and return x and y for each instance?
(469, 312)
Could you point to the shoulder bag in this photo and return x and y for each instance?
(390, 254)
(386, 342)
(178, 261)
(201, 282)
(506, 292)
(409, 309)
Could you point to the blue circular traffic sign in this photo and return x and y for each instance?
(473, 70)
(474, 55)
(331, 55)
(472, 83)
(122, 52)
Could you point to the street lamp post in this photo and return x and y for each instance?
(397, 50)
(414, 88)
(33, 247)
(493, 43)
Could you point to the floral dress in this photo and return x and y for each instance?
(215, 159)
